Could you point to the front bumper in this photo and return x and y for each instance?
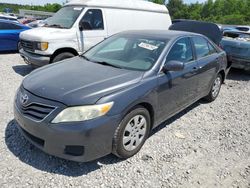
(34, 59)
(79, 141)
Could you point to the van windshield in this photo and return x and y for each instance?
(127, 51)
(65, 17)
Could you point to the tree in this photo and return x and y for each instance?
(176, 8)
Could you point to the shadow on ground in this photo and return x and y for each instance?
(9, 52)
(34, 157)
(238, 74)
(22, 70)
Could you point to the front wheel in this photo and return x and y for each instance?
(62, 56)
(131, 133)
(215, 89)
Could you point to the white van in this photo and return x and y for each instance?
(81, 24)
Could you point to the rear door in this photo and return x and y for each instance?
(208, 63)
(95, 30)
(177, 89)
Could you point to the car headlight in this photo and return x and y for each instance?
(82, 113)
(42, 46)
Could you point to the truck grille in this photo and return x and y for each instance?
(36, 111)
(28, 45)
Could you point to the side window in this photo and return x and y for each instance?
(212, 49)
(201, 47)
(181, 51)
(93, 20)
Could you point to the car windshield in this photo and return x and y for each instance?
(132, 52)
(65, 17)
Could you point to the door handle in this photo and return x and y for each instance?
(195, 68)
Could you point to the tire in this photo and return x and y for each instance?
(215, 89)
(62, 56)
(137, 136)
(19, 46)
(247, 70)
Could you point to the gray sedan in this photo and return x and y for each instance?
(110, 98)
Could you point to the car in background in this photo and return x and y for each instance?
(9, 35)
(237, 46)
(8, 17)
(37, 23)
(243, 28)
(109, 99)
(228, 28)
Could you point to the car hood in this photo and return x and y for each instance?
(47, 34)
(76, 81)
(210, 30)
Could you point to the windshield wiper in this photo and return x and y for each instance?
(84, 57)
(107, 64)
(54, 25)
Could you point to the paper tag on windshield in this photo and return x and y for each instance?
(147, 46)
(77, 8)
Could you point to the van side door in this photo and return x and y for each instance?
(93, 28)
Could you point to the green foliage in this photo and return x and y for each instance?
(219, 11)
(15, 8)
(158, 1)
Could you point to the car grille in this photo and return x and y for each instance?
(28, 45)
(36, 111)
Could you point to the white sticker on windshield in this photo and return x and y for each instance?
(77, 8)
(147, 46)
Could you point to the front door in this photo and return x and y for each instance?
(94, 30)
(176, 89)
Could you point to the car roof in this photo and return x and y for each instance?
(163, 34)
(8, 21)
(128, 4)
(13, 22)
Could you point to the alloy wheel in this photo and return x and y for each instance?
(216, 87)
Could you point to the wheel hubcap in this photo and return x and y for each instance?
(216, 87)
(134, 132)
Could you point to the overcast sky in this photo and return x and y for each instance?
(42, 2)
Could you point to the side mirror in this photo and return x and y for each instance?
(84, 26)
(173, 66)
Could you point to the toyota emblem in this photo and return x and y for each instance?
(24, 99)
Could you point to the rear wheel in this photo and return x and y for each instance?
(62, 56)
(215, 89)
(131, 133)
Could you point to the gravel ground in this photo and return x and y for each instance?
(207, 145)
